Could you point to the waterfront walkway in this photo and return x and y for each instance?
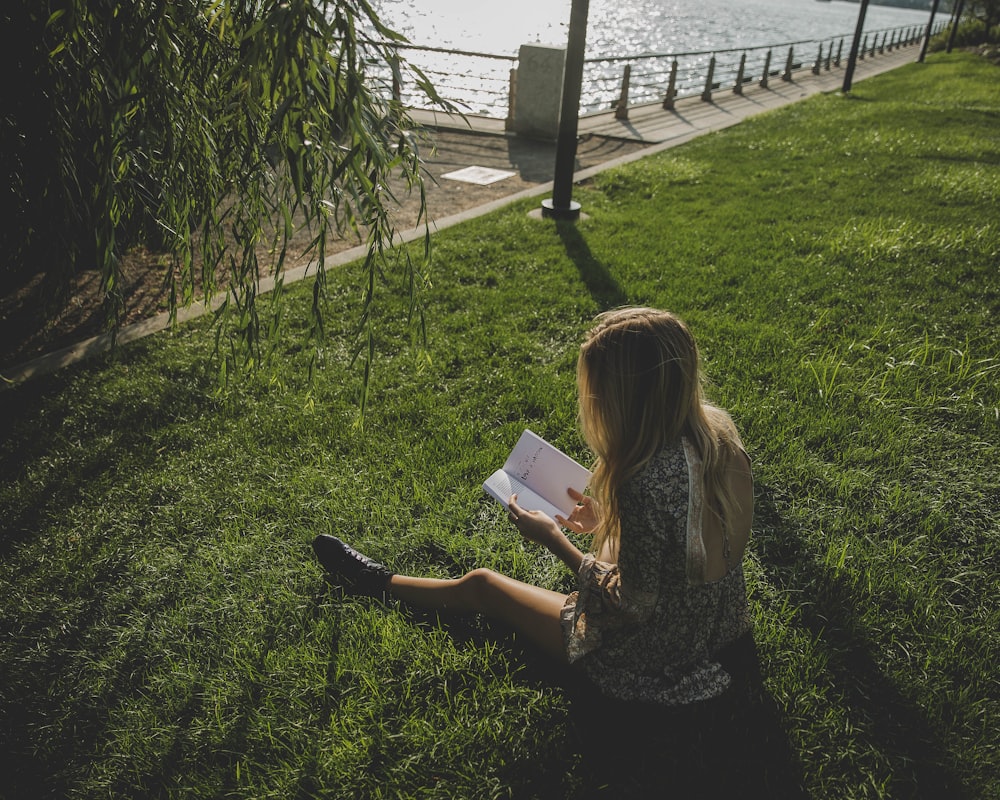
(460, 143)
(653, 125)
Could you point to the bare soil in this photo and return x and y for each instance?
(25, 333)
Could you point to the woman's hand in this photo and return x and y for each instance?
(535, 526)
(585, 517)
(540, 528)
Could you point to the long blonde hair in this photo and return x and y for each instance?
(640, 389)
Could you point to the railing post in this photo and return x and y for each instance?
(874, 44)
(621, 110)
(818, 63)
(840, 50)
(668, 101)
(738, 88)
(829, 56)
(787, 74)
(767, 70)
(397, 92)
(508, 124)
(884, 35)
(864, 48)
(707, 94)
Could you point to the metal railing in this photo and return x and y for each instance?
(477, 83)
(485, 84)
(656, 77)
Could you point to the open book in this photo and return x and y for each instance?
(539, 475)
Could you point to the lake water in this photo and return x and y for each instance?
(627, 27)
(617, 28)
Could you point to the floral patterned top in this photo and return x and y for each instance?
(648, 628)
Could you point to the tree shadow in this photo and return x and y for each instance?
(535, 159)
(31, 426)
(603, 288)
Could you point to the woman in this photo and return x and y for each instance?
(662, 591)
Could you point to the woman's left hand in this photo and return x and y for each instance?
(535, 526)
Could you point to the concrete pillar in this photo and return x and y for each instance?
(540, 70)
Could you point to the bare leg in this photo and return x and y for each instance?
(530, 610)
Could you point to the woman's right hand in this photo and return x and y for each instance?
(585, 517)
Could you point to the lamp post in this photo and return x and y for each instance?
(955, 23)
(927, 33)
(561, 206)
(855, 44)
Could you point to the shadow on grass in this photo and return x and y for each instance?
(603, 288)
(895, 725)
(58, 468)
(735, 746)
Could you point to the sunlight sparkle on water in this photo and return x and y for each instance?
(498, 28)
(615, 28)
(620, 27)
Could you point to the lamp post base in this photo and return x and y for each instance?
(550, 211)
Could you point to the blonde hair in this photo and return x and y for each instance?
(640, 390)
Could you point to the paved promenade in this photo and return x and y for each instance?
(650, 124)
(460, 143)
(605, 141)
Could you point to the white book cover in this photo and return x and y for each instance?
(539, 475)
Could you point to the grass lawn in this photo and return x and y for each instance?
(164, 630)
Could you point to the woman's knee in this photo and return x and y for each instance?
(480, 586)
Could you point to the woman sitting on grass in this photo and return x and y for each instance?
(662, 591)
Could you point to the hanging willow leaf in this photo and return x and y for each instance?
(212, 130)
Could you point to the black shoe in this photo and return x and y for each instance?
(348, 568)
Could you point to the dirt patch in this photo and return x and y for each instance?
(25, 333)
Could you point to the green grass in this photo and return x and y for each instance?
(165, 631)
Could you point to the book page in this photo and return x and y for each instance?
(539, 474)
(501, 485)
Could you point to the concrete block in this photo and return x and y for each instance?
(538, 98)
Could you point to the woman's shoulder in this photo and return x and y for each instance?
(727, 435)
